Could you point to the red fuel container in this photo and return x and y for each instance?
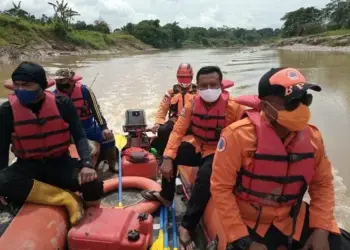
(112, 229)
(139, 162)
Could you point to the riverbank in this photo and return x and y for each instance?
(337, 41)
(22, 40)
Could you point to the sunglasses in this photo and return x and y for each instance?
(62, 81)
(306, 99)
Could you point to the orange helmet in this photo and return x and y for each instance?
(184, 75)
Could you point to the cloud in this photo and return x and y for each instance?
(206, 13)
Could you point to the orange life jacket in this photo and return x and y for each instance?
(207, 124)
(279, 176)
(177, 101)
(39, 136)
(79, 102)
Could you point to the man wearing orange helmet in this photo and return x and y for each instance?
(206, 114)
(172, 104)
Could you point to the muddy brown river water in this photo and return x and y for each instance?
(140, 81)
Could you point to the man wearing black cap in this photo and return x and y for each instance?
(266, 162)
(39, 127)
(89, 112)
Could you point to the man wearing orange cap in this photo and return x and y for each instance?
(266, 162)
(172, 104)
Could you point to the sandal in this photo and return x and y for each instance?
(151, 196)
(185, 244)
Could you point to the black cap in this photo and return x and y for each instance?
(30, 72)
(284, 82)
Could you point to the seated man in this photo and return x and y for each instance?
(211, 111)
(93, 122)
(263, 166)
(39, 126)
(171, 105)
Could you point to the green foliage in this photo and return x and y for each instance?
(171, 35)
(60, 30)
(306, 21)
(21, 32)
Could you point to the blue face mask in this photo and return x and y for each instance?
(27, 96)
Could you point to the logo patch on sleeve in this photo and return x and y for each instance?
(221, 144)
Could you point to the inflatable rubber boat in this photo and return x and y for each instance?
(38, 227)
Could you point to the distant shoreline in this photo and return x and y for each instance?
(328, 42)
(307, 48)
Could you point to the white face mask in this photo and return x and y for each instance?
(185, 85)
(210, 95)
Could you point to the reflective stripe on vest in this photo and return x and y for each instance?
(42, 136)
(207, 124)
(177, 100)
(79, 102)
(279, 175)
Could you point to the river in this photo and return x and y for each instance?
(140, 81)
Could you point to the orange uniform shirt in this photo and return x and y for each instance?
(234, 113)
(168, 100)
(236, 214)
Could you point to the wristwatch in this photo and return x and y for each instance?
(240, 244)
(87, 164)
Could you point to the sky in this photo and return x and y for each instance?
(205, 13)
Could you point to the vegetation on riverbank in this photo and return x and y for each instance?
(24, 34)
(20, 31)
(329, 26)
(171, 35)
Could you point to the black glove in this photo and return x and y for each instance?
(240, 244)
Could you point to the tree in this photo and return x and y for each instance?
(63, 13)
(80, 25)
(16, 11)
(337, 12)
(302, 21)
(128, 28)
(70, 14)
(175, 33)
(101, 26)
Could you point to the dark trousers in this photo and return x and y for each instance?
(16, 181)
(164, 132)
(275, 238)
(201, 190)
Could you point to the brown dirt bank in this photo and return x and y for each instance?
(336, 43)
(57, 48)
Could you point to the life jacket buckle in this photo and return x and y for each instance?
(41, 136)
(281, 199)
(218, 131)
(293, 157)
(41, 121)
(238, 188)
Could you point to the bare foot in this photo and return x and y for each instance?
(186, 242)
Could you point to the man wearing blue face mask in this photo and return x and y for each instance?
(39, 127)
(207, 114)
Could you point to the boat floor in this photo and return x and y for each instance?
(130, 196)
